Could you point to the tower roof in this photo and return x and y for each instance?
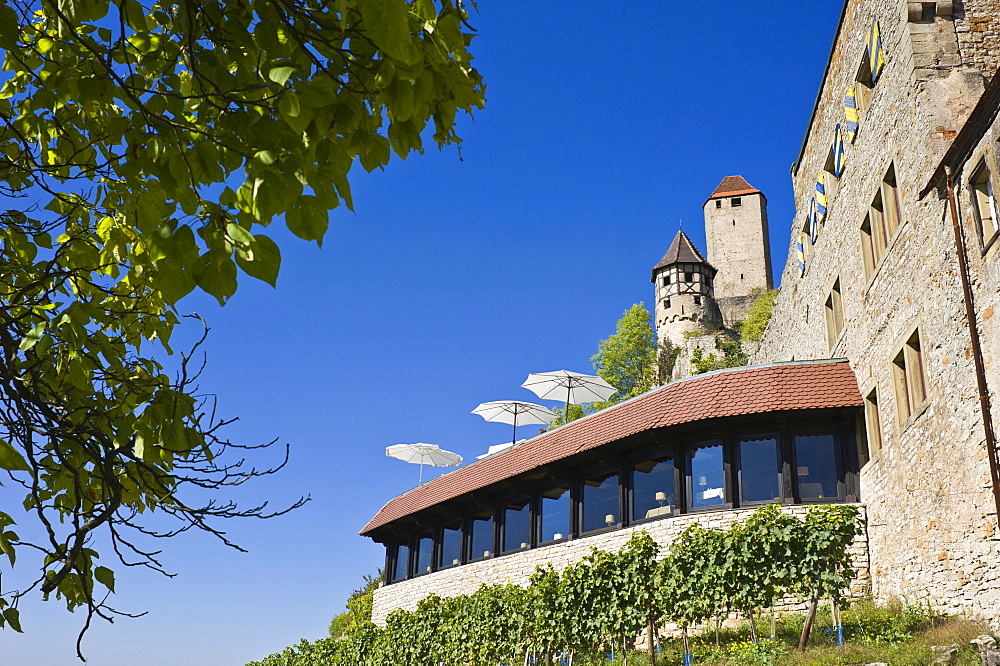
(681, 251)
(733, 186)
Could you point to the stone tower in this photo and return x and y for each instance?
(738, 243)
(684, 293)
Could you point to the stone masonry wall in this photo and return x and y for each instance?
(932, 528)
(518, 567)
(978, 37)
(739, 245)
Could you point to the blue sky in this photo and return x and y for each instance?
(606, 123)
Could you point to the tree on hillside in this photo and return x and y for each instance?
(144, 148)
(627, 359)
(359, 607)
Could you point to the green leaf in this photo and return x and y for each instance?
(33, 336)
(280, 74)
(13, 618)
(265, 262)
(307, 219)
(386, 23)
(11, 459)
(105, 577)
(9, 28)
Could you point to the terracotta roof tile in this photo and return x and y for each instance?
(733, 186)
(736, 392)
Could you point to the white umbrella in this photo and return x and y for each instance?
(423, 454)
(514, 411)
(572, 386)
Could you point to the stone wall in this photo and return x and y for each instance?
(518, 567)
(927, 486)
(734, 309)
(978, 37)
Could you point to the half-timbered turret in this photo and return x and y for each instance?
(685, 301)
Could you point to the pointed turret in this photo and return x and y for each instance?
(685, 300)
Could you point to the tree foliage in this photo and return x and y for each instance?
(144, 149)
(733, 356)
(359, 606)
(627, 359)
(758, 316)
(602, 602)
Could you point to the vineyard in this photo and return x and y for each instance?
(603, 603)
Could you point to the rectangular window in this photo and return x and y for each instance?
(760, 471)
(863, 86)
(834, 316)
(718, 203)
(697, 300)
(451, 544)
(689, 277)
(482, 536)
(869, 248)
(555, 508)
(817, 460)
(600, 502)
(401, 563)
(873, 423)
(908, 378)
(984, 204)
(425, 553)
(708, 486)
(737, 202)
(890, 202)
(516, 526)
(653, 493)
(666, 280)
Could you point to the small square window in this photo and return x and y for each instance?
(689, 277)
(737, 202)
(718, 203)
(697, 300)
(984, 204)
(666, 280)
(666, 303)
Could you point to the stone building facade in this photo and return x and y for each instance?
(685, 294)
(879, 281)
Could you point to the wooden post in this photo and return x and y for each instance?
(807, 627)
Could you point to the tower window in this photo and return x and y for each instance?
(666, 303)
(741, 276)
(734, 223)
(737, 202)
(666, 280)
(718, 203)
(689, 277)
(697, 300)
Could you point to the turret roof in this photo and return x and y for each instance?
(733, 186)
(681, 251)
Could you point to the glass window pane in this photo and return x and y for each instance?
(555, 514)
(816, 458)
(517, 526)
(759, 471)
(653, 491)
(451, 544)
(708, 486)
(425, 549)
(600, 502)
(482, 535)
(402, 562)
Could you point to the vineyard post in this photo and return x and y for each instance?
(807, 627)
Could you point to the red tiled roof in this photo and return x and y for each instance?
(733, 186)
(681, 250)
(737, 392)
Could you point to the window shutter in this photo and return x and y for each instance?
(813, 222)
(876, 57)
(821, 196)
(838, 152)
(801, 250)
(851, 113)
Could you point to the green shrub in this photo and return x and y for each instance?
(758, 316)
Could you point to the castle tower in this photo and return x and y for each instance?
(738, 243)
(684, 293)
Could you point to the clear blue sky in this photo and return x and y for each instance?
(606, 123)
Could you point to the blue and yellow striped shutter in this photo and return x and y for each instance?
(876, 58)
(800, 249)
(851, 113)
(813, 222)
(821, 197)
(838, 152)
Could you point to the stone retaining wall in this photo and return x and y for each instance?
(518, 567)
